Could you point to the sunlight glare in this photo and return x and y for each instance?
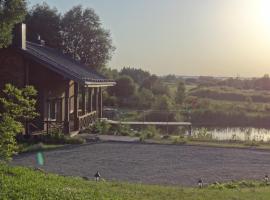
(265, 12)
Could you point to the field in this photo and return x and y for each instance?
(26, 184)
(154, 164)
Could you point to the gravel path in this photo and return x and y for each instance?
(154, 164)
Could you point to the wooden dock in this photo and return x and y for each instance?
(150, 123)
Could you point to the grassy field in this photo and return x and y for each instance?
(26, 184)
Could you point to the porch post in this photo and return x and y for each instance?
(90, 99)
(96, 100)
(100, 103)
(66, 119)
(76, 106)
(83, 101)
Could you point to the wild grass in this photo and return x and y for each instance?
(26, 184)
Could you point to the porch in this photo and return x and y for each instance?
(79, 107)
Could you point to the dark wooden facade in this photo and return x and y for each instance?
(63, 102)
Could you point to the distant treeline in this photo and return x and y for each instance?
(207, 112)
(231, 94)
(225, 119)
(262, 83)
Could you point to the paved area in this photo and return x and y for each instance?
(154, 164)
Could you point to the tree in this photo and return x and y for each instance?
(18, 105)
(125, 87)
(154, 84)
(180, 93)
(84, 38)
(149, 82)
(11, 12)
(146, 98)
(138, 75)
(44, 21)
(163, 103)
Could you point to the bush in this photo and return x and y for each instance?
(121, 129)
(179, 140)
(17, 106)
(150, 132)
(8, 145)
(100, 127)
(72, 140)
(51, 138)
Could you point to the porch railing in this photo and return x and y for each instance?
(86, 120)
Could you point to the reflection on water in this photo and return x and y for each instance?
(242, 134)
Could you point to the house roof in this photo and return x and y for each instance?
(64, 65)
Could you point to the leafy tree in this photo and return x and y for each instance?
(154, 84)
(161, 112)
(11, 12)
(109, 73)
(146, 98)
(18, 106)
(138, 75)
(149, 82)
(44, 21)
(163, 103)
(125, 87)
(180, 93)
(84, 38)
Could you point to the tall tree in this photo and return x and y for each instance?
(125, 87)
(44, 21)
(138, 75)
(84, 38)
(11, 12)
(180, 93)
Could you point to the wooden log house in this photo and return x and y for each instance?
(69, 93)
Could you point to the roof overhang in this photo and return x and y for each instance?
(99, 84)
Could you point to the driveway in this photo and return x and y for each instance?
(153, 163)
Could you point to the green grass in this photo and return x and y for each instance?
(208, 142)
(25, 184)
(23, 148)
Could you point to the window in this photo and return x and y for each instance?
(52, 108)
(55, 109)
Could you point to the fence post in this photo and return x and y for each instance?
(167, 122)
(143, 116)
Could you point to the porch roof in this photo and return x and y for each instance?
(64, 65)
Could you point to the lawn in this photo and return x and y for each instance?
(26, 184)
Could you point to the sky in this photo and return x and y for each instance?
(185, 37)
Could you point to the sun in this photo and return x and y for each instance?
(265, 11)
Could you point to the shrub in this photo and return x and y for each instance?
(121, 129)
(72, 140)
(17, 106)
(8, 130)
(179, 140)
(150, 132)
(101, 127)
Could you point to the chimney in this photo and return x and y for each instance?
(19, 36)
